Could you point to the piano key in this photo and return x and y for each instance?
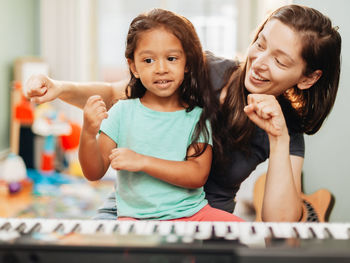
(165, 228)
(179, 228)
(47, 225)
(5, 226)
(282, 230)
(221, 229)
(233, 231)
(339, 230)
(204, 231)
(109, 226)
(302, 230)
(124, 227)
(318, 230)
(150, 228)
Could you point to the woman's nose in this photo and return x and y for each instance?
(260, 62)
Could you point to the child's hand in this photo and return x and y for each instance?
(94, 112)
(126, 159)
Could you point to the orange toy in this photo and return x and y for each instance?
(71, 141)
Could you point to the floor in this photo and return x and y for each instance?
(54, 196)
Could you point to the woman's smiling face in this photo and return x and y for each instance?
(274, 62)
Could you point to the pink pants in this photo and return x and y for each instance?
(207, 213)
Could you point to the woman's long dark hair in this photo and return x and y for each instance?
(195, 89)
(304, 110)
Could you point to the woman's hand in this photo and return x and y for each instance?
(126, 159)
(94, 112)
(40, 89)
(265, 111)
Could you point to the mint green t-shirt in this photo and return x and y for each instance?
(164, 135)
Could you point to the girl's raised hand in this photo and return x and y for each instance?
(126, 159)
(265, 111)
(94, 112)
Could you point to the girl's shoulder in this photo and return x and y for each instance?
(125, 103)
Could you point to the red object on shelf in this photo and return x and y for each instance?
(24, 111)
(47, 162)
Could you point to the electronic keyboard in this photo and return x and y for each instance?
(57, 240)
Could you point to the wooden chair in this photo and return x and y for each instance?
(316, 206)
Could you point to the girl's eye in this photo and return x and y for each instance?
(148, 60)
(172, 58)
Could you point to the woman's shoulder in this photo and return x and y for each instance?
(218, 68)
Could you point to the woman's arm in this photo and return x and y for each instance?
(191, 173)
(40, 89)
(282, 201)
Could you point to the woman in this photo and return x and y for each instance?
(286, 87)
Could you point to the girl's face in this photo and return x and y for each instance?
(274, 61)
(159, 62)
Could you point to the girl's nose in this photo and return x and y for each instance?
(161, 67)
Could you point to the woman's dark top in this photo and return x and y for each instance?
(224, 182)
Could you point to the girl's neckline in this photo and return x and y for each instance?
(157, 111)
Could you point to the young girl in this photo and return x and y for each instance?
(159, 139)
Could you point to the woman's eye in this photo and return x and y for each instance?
(172, 58)
(148, 60)
(279, 62)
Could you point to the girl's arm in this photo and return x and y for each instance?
(192, 173)
(282, 195)
(93, 153)
(40, 89)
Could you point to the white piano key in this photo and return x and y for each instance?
(282, 230)
(48, 225)
(149, 228)
(179, 228)
(164, 228)
(204, 231)
(89, 226)
(234, 231)
(69, 225)
(318, 229)
(109, 226)
(124, 227)
(221, 229)
(302, 230)
(139, 227)
(260, 230)
(252, 237)
(339, 230)
(191, 228)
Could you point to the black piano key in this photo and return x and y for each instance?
(312, 233)
(76, 228)
(5, 226)
(35, 228)
(155, 229)
(115, 228)
(296, 232)
(100, 228)
(21, 228)
(328, 233)
(59, 228)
